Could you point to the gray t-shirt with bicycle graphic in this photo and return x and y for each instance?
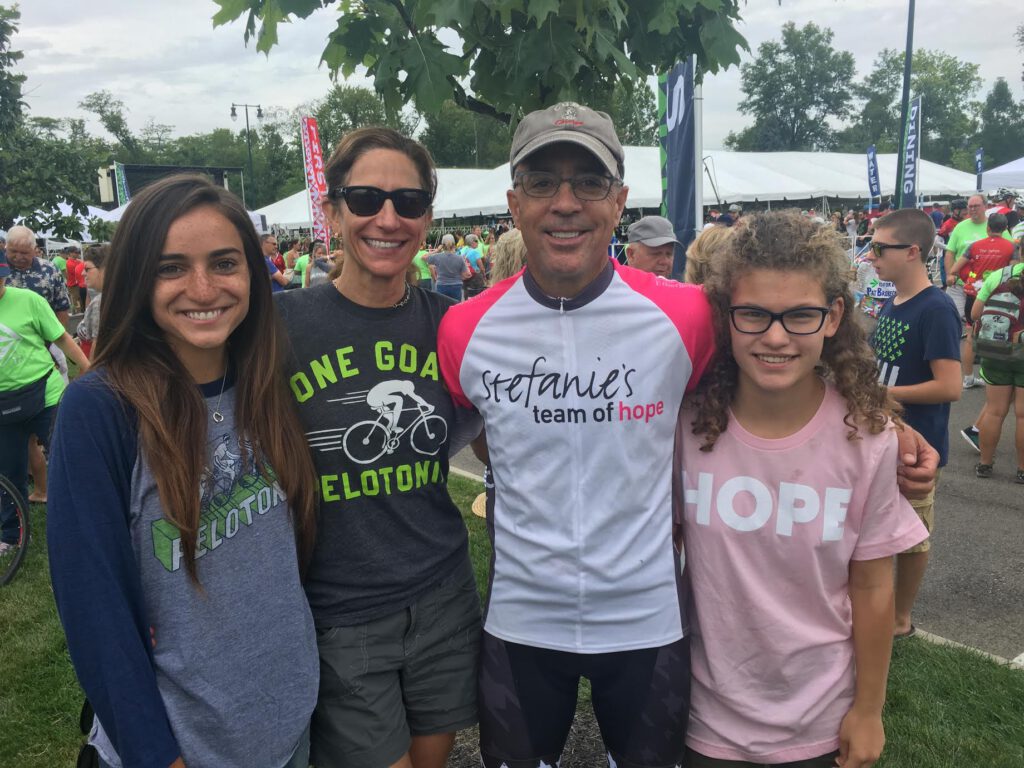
(379, 423)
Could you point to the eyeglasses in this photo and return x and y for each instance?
(880, 248)
(799, 321)
(367, 201)
(585, 186)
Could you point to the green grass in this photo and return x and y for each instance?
(947, 707)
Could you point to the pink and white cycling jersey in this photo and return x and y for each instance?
(579, 399)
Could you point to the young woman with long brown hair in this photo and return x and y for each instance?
(183, 500)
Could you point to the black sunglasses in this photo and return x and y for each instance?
(367, 201)
(880, 248)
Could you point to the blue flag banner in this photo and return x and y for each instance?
(874, 187)
(911, 156)
(676, 130)
(979, 166)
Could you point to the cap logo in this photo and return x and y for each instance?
(569, 115)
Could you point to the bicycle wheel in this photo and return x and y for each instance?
(429, 435)
(15, 526)
(365, 441)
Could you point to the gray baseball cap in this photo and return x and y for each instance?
(652, 231)
(735, 208)
(572, 123)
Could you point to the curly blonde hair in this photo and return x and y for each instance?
(787, 240)
(702, 252)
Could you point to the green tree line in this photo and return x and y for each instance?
(803, 95)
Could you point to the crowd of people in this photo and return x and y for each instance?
(696, 490)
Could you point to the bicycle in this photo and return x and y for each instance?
(366, 441)
(12, 555)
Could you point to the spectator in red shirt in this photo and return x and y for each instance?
(76, 281)
(958, 212)
(984, 256)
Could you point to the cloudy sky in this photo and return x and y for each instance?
(167, 63)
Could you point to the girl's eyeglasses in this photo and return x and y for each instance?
(367, 201)
(799, 321)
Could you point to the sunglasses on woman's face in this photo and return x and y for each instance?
(367, 201)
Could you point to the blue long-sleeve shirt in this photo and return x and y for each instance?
(224, 675)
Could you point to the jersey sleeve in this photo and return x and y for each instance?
(456, 331)
(700, 337)
(96, 581)
(890, 525)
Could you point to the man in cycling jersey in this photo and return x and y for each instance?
(578, 366)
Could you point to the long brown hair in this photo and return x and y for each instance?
(146, 373)
(788, 240)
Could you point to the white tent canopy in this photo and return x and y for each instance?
(1009, 175)
(735, 176)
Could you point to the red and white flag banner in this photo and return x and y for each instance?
(316, 184)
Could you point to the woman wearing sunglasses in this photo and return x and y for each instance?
(390, 583)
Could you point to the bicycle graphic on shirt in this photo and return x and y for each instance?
(366, 441)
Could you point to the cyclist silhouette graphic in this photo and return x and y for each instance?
(367, 441)
(386, 398)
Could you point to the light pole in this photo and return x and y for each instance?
(248, 139)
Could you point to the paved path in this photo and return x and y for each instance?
(974, 590)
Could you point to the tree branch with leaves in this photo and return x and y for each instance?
(508, 57)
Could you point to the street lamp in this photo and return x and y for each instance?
(248, 138)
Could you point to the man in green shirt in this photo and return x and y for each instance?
(973, 228)
(62, 264)
(28, 326)
(301, 265)
(426, 273)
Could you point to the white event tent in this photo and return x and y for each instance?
(736, 177)
(1009, 175)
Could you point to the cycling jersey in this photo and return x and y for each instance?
(579, 399)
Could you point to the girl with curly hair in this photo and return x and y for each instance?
(790, 511)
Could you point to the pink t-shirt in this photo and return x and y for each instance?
(770, 528)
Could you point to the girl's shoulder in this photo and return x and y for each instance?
(94, 397)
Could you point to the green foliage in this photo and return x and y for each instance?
(634, 110)
(1019, 36)
(110, 112)
(101, 231)
(458, 138)
(793, 88)
(1002, 126)
(347, 107)
(10, 83)
(515, 55)
(41, 166)
(949, 88)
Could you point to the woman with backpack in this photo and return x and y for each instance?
(998, 313)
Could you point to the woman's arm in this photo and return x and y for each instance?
(73, 351)
(96, 580)
(861, 735)
(977, 308)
